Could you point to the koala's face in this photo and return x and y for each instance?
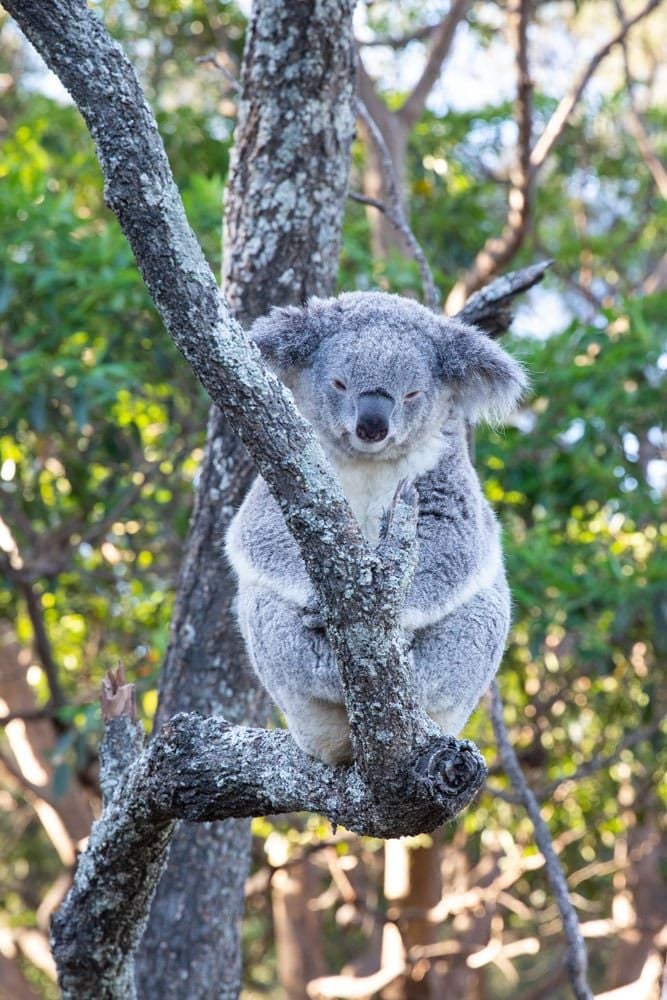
(373, 394)
(376, 373)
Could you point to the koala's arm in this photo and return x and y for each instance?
(262, 551)
(459, 545)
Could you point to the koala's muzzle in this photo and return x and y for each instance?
(373, 412)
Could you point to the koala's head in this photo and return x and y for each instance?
(375, 373)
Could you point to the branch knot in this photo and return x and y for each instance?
(451, 771)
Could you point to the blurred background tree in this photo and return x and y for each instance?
(102, 429)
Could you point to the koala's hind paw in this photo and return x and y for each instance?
(406, 493)
(312, 619)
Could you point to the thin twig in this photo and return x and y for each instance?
(212, 58)
(588, 768)
(577, 959)
(561, 116)
(30, 714)
(399, 41)
(598, 763)
(394, 210)
(365, 199)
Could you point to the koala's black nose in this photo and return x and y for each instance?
(373, 412)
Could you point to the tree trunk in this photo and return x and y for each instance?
(412, 886)
(284, 207)
(297, 928)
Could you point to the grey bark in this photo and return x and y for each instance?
(491, 308)
(407, 776)
(205, 769)
(284, 207)
(413, 780)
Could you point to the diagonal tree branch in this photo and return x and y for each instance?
(577, 962)
(491, 308)
(43, 645)
(292, 136)
(561, 116)
(439, 49)
(141, 191)
(415, 781)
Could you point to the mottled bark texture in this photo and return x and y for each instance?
(284, 206)
(407, 776)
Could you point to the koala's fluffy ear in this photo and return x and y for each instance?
(488, 382)
(289, 335)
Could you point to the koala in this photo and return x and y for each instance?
(388, 387)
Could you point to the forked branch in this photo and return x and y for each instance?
(207, 769)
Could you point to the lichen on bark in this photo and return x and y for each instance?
(206, 769)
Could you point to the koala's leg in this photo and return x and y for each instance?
(295, 663)
(321, 728)
(456, 659)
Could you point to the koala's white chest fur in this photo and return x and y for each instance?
(370, 485)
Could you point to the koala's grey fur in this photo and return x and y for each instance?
(335, 354)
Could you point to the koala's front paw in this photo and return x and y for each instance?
(312, 619)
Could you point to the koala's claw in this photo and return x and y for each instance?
(405, 493)
(312, 620)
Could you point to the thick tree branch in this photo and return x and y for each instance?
(491, 308)
(412, 782)
(205, 769)
(140, 189)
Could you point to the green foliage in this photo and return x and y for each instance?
(102, 428)
(101, 425)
